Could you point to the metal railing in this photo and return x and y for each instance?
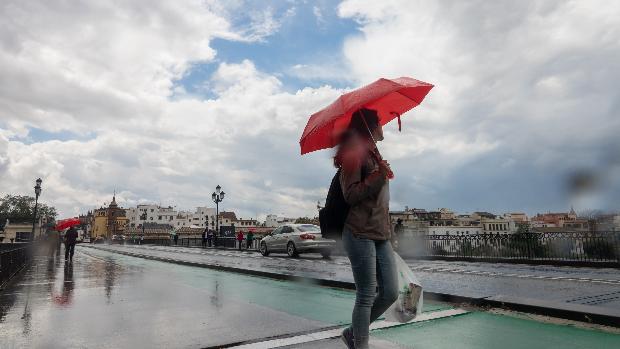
(567, 246)
(13, 257)
(226, 242)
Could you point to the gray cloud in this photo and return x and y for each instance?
(525, 97)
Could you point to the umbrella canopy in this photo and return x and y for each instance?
(389, 97)
(67, 223)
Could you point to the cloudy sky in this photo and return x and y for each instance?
(163, 100)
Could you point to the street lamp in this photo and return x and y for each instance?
(217, 197)
(37, 192)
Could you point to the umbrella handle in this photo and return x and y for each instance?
(367, 127)
(376, 152)
(377, 155)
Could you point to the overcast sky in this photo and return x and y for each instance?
(163, 100)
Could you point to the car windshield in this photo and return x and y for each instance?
(309, 228)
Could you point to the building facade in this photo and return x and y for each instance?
(274, 221)
(201, 217)
(109, 221)
(19, 232)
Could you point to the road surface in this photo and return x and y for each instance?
(588, 286)
(108, 300)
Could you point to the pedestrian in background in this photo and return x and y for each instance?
(249, 239)
(204, 238)
(364, 179)
(176, 238)
(70, 239)
(399, 228)
(53, 239)
(209, 237)
(239, 239)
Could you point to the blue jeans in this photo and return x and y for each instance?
(372, 262)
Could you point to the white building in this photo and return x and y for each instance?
(274, 221)
(201, 217)
(454, 229)
(246, 223)
(498, 225)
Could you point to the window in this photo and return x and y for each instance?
(277, 231)
(22, 236)
(286, 229)
(159, 218)
(308, 227)
(152, 210)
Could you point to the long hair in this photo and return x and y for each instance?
(363, 123)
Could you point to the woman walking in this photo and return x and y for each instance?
(364, 180)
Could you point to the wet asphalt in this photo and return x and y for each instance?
(106, 300)
(598, 287)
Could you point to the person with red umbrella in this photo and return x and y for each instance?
(70, 240)
(357, 205)
(366, 234)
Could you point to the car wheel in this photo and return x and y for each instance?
(326, 254)
(291, 250)
(263, 249)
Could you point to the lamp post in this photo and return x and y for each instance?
(217, 197)
(37, 192)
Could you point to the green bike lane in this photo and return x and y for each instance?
(118, 301)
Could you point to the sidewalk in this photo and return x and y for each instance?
(110, 300)
(338, 274)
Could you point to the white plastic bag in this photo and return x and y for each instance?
(410, 297)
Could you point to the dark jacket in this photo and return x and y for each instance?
(367, 191)
(71, 236)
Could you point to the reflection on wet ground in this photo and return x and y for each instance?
(111, 301)
(587, 286)
(108, 300)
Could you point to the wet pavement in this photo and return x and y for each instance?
(108, 300)
(587, 286)
(111, 301)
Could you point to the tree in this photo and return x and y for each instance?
(20, 209)
(306, 220)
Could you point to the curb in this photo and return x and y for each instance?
(567, 311)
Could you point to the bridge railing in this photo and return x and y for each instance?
(13, 257)
(196, 241)
(567, 246)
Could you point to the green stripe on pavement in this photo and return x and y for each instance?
(306, 300)
(485, 330)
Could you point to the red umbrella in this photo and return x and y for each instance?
(389, 97)
(67, 223)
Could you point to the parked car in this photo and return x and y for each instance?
(295, 239)
(99, 240)
(118, 239)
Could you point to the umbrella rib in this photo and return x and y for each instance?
(404, 95)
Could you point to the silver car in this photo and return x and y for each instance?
(295, 239)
